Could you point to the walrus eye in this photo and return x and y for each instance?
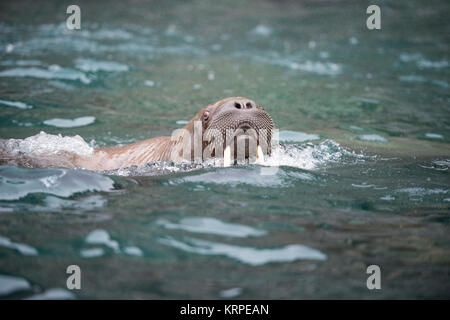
(206, 115)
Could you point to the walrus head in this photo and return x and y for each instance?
(233, 128)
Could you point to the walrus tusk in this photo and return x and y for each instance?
(259, 155)
(227, 157)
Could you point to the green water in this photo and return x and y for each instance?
(372, 189)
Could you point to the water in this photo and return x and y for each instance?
(361, 176)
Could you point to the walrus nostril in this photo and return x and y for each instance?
(237, 105)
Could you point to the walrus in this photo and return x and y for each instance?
(230, 129)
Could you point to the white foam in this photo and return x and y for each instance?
(247, 255)
(10, 284)
(307, 156)
(211, 225)
(70, 123)
(16, 104)
(23, 249)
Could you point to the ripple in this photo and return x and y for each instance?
(100, 236)
(213, 226)
(297, 136)
(53, 294)
(261, 30)
(236, 176)
(419, 191)
(321, 68)
(70, 123)
(372, 138)
(89, 65)
(247, 255)
(53, 72)
(230, 293)
(84, 204)
(92, 252)
(10, 284)
(387, 198)
(432, 64)
(434, 135)
(17, 182)
(22, 248)
(133, 251)
(21, 63)
(412, 78)
(16, 104)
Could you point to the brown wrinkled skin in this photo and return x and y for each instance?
(164, 148)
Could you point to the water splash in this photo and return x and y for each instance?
(310, 156)
(305, 156)
(44, 143)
